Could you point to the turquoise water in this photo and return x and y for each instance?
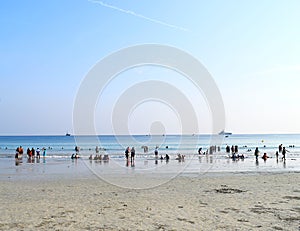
(60, 148)
(63, 146)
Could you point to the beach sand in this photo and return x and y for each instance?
(268, 201)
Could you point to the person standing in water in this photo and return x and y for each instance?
(38, 153)
(256, 153)
(33, 152)
(283, 153)
(127, 153)
(280, 148)
(156, 152)
(44, 152)
(277, 154)
(132, 154)
(200, 151)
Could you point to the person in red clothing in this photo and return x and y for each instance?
(265, 156)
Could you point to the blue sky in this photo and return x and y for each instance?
(251, 48)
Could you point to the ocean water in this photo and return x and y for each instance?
(64, 146)
(60, 149)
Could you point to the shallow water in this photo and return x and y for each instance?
(52, 168)
(58, 163)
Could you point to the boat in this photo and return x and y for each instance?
(226, 134)
(68, 134)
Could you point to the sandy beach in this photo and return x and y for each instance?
(269, 201)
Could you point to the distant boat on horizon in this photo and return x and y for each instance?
(68, 134)
(223, 133)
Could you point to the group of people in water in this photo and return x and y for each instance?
(76, 155)
(31, 153)
(211, 150)
(234, 150)
(281, 150)
(99, 157)
(130, 153)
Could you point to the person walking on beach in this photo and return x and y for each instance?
(256, 153)
(132, 154)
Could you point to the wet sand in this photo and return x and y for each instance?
(269, 201)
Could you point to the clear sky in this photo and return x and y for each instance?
(251, 48)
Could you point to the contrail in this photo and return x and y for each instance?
(138, 15)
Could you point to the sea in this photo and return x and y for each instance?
(64, 146)
(60, 148)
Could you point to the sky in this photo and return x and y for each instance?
(250, 48)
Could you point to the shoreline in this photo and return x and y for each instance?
(114, 168)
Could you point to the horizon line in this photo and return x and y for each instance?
(170, 134)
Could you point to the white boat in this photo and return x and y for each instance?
(223, 133)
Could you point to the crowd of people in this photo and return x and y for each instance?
(99, 157)
(130, 153)
(265, 156)
(31, 153)
(233, 152)
(211, 150)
